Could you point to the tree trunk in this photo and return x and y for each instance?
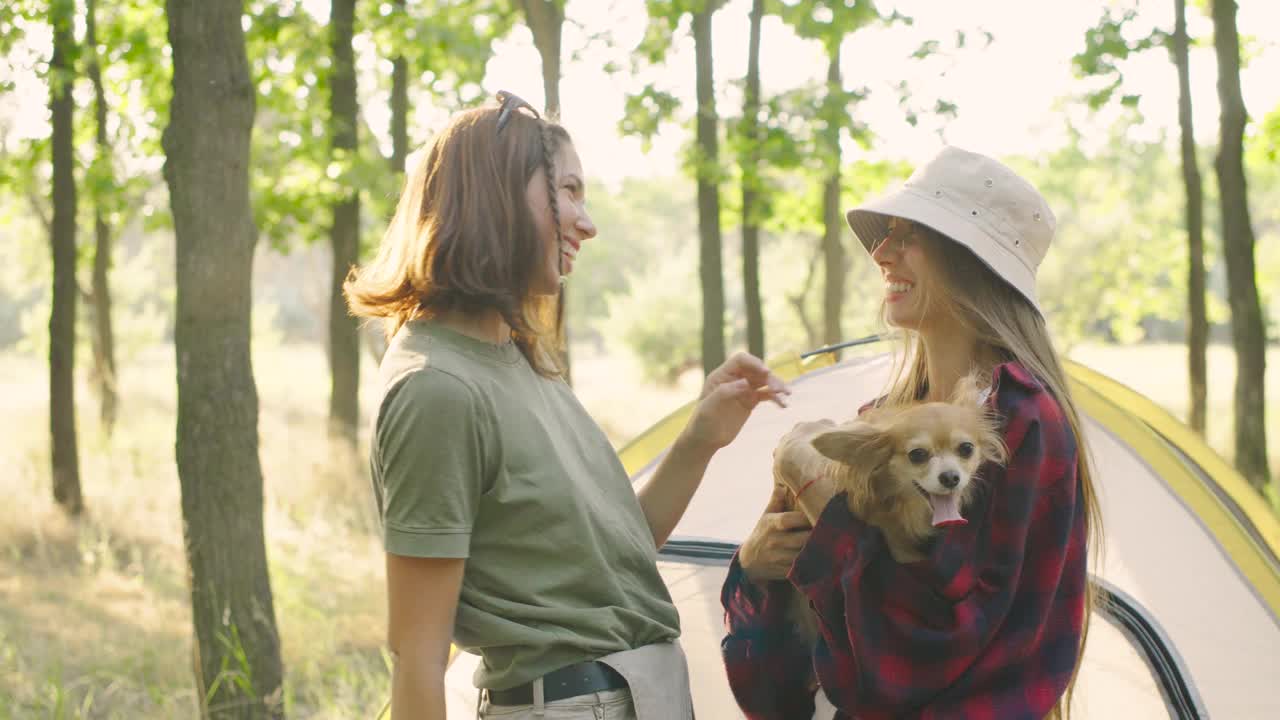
(344, 235)
(104, 351)
(546, 19)
(1247, 327)
(237, 648)
(62, 317)
(399, 104)
(709, 265)
(750, 189)
(833, 223)
(1197, 316)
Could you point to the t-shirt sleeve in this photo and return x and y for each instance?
(430, 465)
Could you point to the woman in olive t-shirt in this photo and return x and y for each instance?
(509, 524)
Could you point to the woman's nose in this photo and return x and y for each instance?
(584, 224)
(882, 252)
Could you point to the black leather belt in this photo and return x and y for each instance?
(585, 677)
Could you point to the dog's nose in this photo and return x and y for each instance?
(949, 478)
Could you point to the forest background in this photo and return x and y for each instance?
(722, 140)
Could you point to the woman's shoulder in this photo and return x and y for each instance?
(1013, 382)
(432, 358)
(1025, 403)
(1014, 373)
(419, 374)
(434, 385)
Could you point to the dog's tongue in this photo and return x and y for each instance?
(946, 510)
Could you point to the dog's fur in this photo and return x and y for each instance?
(888, 459)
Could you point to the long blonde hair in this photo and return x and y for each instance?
(1003, 321)
(463, 236)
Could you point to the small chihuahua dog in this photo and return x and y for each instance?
(908, 470)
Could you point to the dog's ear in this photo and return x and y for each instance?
(966, 391)
(859, 443)
(993, 447)
(990, 440)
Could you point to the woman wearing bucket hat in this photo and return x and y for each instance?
(992, 622)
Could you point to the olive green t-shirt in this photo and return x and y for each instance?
(476, 456)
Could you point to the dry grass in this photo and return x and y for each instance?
(94, 617)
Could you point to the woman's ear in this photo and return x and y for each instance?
(858, 443)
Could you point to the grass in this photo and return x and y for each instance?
(94, 615)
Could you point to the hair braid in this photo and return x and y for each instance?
(548, 168)
(553, 198)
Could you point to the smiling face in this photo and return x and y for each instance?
(911, 283)
(575, 224)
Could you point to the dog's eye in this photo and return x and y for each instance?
(919, 456)
(965, 450)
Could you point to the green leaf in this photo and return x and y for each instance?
(645, 112)
(927, 48)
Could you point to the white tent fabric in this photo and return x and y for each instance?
(1192, 628)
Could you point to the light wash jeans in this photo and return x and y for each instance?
(604, 705)
(658, 675)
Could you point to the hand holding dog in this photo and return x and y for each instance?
(772, 546)
(729, 395)
(795, 459)
(799, 466)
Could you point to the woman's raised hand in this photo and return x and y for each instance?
(729, 395)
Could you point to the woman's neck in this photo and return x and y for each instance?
(486, 325)
(951, 355)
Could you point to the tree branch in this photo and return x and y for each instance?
(37, 209)
(797, 299)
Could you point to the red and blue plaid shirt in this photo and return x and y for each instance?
(987, 626)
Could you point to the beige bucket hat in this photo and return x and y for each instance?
(977, 202)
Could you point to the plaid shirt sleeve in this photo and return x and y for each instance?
(766, 662)
(989, 625)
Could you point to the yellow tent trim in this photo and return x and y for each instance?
(1190, 443)
(1141, 423)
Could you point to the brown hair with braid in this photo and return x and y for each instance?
(463, 235)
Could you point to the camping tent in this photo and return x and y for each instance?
(1189, 626)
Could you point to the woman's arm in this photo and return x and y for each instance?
(422, 597)
(666, 495)
(729, 395)
(766, 663)
(768, 666)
